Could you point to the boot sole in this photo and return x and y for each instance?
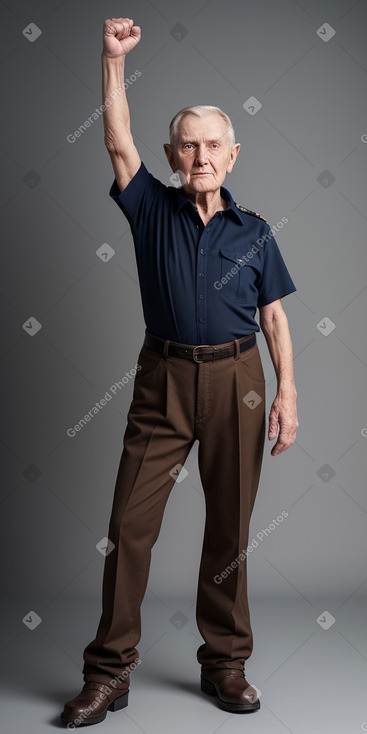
(234, 708)
(119, 703)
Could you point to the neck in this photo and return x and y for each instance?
(207, 202)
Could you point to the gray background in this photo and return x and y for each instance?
(56, 213)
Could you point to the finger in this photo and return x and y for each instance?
(124, 20)
(273, 426)
(284, 441)
(109, 28)
(119, 27)
(124, 31)
(279, 447)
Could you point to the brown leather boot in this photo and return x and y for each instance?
(92, 704)
(232, 690)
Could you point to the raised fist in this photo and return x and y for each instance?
(120, 35)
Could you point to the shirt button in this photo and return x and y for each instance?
(202, 251)
(201, 296)
(202, 321)
(201, 275)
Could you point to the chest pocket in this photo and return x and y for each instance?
(239, 277)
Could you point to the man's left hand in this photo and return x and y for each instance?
(283, 419)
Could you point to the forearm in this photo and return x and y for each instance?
(278, 339)
(116, 115)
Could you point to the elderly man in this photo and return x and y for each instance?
(205, 264)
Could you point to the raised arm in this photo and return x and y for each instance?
(120, 36)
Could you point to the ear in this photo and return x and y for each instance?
(170, 155)
(233, 156)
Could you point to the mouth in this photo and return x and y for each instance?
(200, 174)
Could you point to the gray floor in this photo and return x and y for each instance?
(311, 679)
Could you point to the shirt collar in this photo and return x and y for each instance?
(183, 200)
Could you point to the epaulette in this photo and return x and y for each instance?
(248, 211)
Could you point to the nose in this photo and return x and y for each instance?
(201, 155)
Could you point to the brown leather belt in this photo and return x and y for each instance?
(202, 352)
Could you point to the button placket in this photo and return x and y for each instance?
(201, 287)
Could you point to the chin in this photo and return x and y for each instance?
(203, 183)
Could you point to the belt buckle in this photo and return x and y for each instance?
(194, 353)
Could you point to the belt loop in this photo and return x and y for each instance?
(236, 348)
(165, 348)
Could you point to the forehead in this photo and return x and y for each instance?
(209, 127)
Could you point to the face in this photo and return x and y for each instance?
(203, 153)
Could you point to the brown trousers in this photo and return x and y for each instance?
(175, 401)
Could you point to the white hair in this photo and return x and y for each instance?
(201, 110)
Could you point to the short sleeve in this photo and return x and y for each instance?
(275, 281)
(136, 200)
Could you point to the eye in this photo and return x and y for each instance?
(188, 145)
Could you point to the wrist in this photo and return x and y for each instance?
(112, 59)
(287, 391)
(289, 397)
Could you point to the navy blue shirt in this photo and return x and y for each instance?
(199, 284)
